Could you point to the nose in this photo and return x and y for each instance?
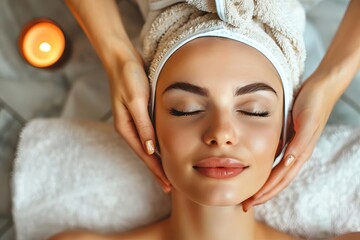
(221, 131)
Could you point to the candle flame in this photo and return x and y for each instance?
(45, 47)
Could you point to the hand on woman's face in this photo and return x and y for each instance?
(218, 98)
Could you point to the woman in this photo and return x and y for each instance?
(220, 113)
(240, 133)
(130, 94)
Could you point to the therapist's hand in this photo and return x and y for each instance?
(101, 21)
(311, 110)
(130, 95)
(315, 102)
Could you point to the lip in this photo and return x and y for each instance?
(225, 162)
(219, 167)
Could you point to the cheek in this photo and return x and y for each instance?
(176, 135)
(265, 139)
(174, 142)
(171, 137)
(263, 142)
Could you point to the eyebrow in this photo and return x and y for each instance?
(254, 87)
(250, 88)
(188, 87)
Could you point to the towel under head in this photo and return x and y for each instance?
(79, 174)
(272, 27)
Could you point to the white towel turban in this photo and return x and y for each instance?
(272, 27)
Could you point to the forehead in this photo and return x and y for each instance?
(210, 61)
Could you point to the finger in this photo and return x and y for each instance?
(306, 125)
(247, 204)
(298, 145)
(285, 181)
(267, 196)
(291, 174)
(125, 126)
(154, 165)
(275, 177)
(284, 168)
(135, 96)
(140, 115)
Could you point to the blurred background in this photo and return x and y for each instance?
(77, 86)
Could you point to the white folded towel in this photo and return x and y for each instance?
(71, 174)
(80, 174)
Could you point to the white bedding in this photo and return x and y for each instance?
(71, 174)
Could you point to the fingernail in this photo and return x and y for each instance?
(243, 207)
(248, 207)
(289, 160)
(149, 146)
(166, 189)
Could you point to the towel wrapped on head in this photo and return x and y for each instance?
(275, 28)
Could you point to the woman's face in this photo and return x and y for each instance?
(219, 104)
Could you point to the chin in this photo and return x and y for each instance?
(220, 202)
(220, 197)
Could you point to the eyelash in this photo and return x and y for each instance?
(255, 114)
(251, 114)
(175, 112)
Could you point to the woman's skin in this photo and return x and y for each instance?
(215, 98)
(101, 22)
(199, 115)
(199, 214)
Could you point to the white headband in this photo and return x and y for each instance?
(243, 21)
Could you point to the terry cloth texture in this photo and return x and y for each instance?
(273, 27)
(81, 174)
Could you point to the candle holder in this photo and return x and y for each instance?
(42, 43)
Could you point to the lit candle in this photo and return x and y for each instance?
(42, 43)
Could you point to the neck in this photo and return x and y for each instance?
(190, 220)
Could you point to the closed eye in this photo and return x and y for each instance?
(175, 112)
(255, 114)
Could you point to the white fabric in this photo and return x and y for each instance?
(72, 174)
(80, 174)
